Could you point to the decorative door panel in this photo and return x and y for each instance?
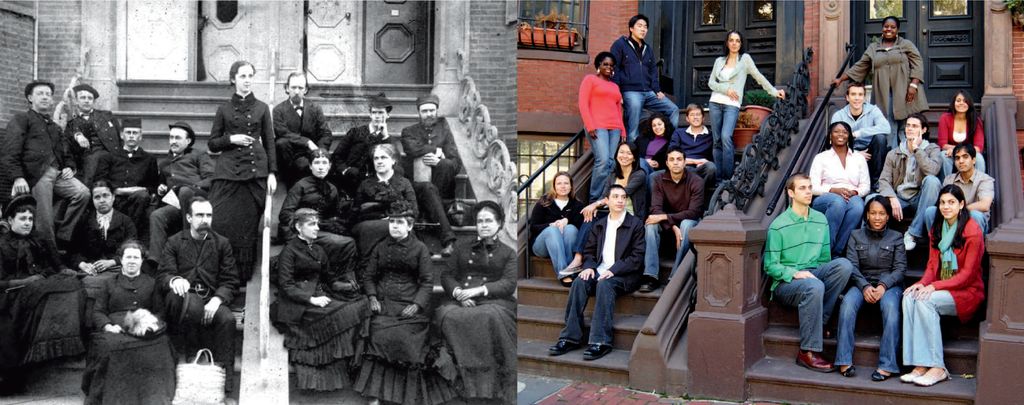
(261, 32)
(333, 41)
(397, 45)
(158, 38)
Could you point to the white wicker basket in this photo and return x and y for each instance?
(200, 384)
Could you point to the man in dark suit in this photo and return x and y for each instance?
(133, 174)
(612, 258)
(300, 127)
(92, 132)
(36, 155)
(97, 238)
(186, 172)
(431, 160)
(350, 161)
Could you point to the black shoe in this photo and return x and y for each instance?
(649, 285)
(879, 377)
(851, 371)
(596, 351)
(448, 249)
(562, 347)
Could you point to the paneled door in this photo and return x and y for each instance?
(333, 38)
(158, 39)
(264, 33)
(398, 42)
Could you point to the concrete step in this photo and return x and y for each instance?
(197, 103)
(869, 321)
(780, 380)
(610, 369)
(549, 294)
(780, 342)
(545, 323)
(223, 90)
(540, 267)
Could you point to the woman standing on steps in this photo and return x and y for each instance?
(728, 78)
(601, 109)
(555, 223)
(951, 285)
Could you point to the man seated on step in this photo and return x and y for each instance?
(676, 203)
(198, 278)
(796, 258)
(134, 175)
(185, 172)
(300, 127)
(92, 132)
(870, 128)
(978, 188)
(612, 257)
(909, 177)
(350, 161)
(431, 160)
(98, 237)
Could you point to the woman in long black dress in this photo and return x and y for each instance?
(42, 303)
(479, 326)
(130, 361)
(243, 132)
(400, 363)
(376, 195)
(319, 310)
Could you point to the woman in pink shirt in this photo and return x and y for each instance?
(601, 110)
(961, 124)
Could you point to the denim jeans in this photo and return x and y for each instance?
(556, 245)
(843, 217)
(581, 238)
(603, 147)
(723, 122)
(814, 299)
(877, 146)
(948, 167)
(604, 292)
(926, 197)
(48, 227)
(652, 259)
(634, 103)
(922, 335)
(890, 307)
(925, 227)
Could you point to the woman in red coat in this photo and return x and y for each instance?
(951, 286)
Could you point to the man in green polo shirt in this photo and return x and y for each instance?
(797, 258)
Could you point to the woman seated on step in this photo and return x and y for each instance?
(555, 223)
(376, 195)
(319, 308)
(34, 288)
(951, 285)
(479, 325)
(879, 261)
(130, 360)
(840, 181)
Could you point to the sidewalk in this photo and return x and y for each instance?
(552, 391)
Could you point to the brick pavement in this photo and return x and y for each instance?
(587, 393)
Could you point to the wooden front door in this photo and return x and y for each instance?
(398, 42)
(948, 34)
(332, 37)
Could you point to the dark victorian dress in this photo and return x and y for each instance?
(121, 368)
(401, 362)
(373, 198)
(482, 338)
(321, 342)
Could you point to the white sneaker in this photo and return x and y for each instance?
(908, 241)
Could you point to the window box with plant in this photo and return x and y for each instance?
(552, 30)
(756, 109)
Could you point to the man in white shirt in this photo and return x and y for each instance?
(612, 260)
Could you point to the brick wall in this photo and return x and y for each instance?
(492, 52)
(1018, 76)
(60, 41)
(812, 26)
(17, 30)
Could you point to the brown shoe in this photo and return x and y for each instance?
(814, 362)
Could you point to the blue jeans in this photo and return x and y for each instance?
(581, 240)
(890, 307)
(604, 292)
(652, 259)
(877, 146)
(603, 147)
(948, 167)
(926, 197)
(843, 217)
(814, 299)
(723, 122)
(922, 335)
(634, 103)
(556, 245)
(929, 218)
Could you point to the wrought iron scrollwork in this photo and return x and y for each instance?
(761, 157)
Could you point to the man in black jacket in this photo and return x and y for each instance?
(300, 127)
(637, 77)
(612, 259)
(186, 172)
(92, 132)
(133, 173)
(350, 161)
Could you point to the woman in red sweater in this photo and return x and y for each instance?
(961, 124)
(951, 286)
(601, 110)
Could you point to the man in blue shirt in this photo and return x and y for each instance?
(870, 128)
(637, 77)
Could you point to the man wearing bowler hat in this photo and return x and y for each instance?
(132, 172)
(186, 172)
(351, 162)
(92, 132)
(300, 127)
(36, 155)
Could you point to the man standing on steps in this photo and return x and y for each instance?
(92, 133)
(637, 77)
(612, 257)
(431, 160)
(796, 258)
(300, 127)
(676, 203)
(350, 161)
(870, 128)
(197, 275)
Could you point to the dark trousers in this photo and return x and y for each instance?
(90, 161)
(168, 220)
(442, 175)
(605, 292)
(136, 206)
(191, 335)
(877, 146)
(293, 161)
(429, 199)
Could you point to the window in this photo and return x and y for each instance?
(559, 25)
(533, 152)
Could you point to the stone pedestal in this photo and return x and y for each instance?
(451, 53)
(833, 33)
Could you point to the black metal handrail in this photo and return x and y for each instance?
(818, 112)
(561, 151)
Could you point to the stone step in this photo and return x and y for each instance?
(961, 355)
(206, 104)
(611, 369)
(540, 267)
(544, 324)
(869, 320)
(223, 90)
(780, 380)
(548, 293)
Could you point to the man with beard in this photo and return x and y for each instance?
(92, 133)
(198, 278)
(133, 174)
(300, 127)
(36, 156)
(186, 172)
(98, 237)
(431, 161)
(350, 161)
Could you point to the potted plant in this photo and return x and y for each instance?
(756, 109)
(549, 30)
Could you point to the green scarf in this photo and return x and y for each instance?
(949, 265)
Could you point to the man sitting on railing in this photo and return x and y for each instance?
(909, 177)
(870, 128)
(796, 258)
(677, 203)
(612, 256)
